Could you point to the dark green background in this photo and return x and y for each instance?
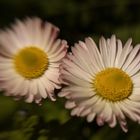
(77, 19)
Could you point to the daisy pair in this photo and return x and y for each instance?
(101, 83)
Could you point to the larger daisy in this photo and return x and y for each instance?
(29, 60)
(103, 83)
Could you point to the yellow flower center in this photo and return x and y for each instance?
(31, 62)
(113, 84)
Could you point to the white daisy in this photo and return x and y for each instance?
(103, 83)
(29, 60)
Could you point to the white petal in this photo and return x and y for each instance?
(76, 111)
(76, 71)
(54, 47)
(107, 111)
(41, 89)
(70, 104)
(91, 117)
(25, 87)
(124, 53)
(82, 64)
(85, 112)
(14, 86)
(53, 75)
(127, 112)
(33, 87)
(52, 35)
(100, 120)
(118, 112)
(123, 126)
(95, 52)
(135, 97)
(135, 70)
(80, 59)
(29, 98)
(119, 51)
(89, 102)
(112, 50)
(99, 105)
(131, 57)
(104, 51)
(76, 81)
(63, 93)
(48, 86)
(113, 121)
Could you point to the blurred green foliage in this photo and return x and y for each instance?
(77, 19)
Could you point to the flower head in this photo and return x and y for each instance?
(29, 60)
(103, 83)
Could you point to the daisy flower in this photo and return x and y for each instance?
(104, 83)
(29, 60)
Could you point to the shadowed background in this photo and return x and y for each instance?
(76, 19)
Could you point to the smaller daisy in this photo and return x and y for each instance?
(104, 83)
(29, 60)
